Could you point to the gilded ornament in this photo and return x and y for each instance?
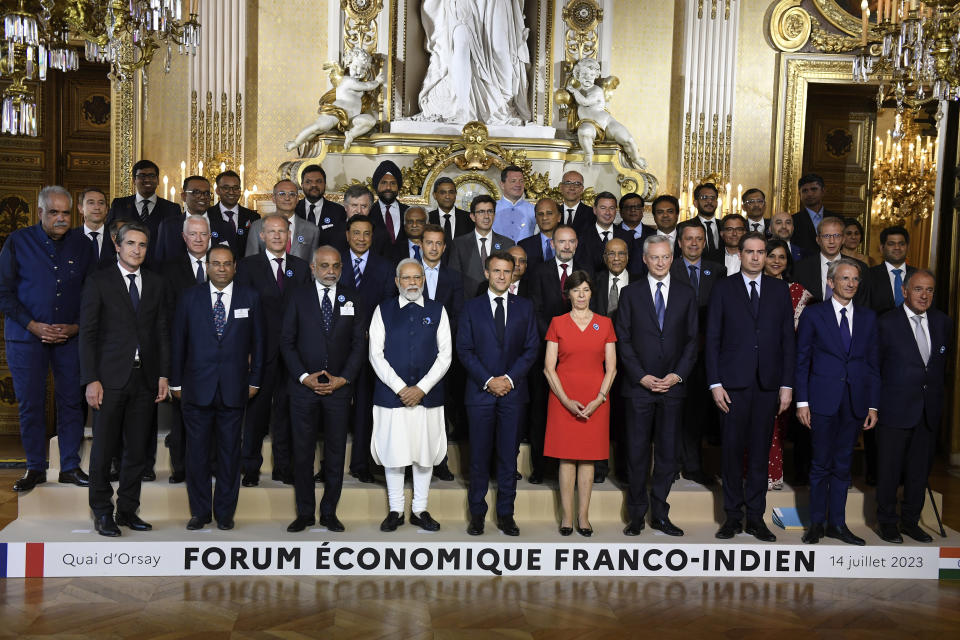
(790, 25)
(830, 42)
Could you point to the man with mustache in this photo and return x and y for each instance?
(388, 213)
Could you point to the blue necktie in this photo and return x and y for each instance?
(548, 252)
(219, 315)
(754, 299)
(897, 287)
(327, 309)
(416, 253)
(200, 278)
(134, 292)
(694, 278)
(660, 305)
(500, 319)
(357, 276)
(845, 337)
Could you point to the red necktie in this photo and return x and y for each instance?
(563, 278)
(389, 221)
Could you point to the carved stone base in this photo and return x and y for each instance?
(453, 129)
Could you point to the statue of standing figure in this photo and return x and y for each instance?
(593, 120)
(347, 106)
(479, 62)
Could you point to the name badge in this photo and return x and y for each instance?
(325, 226)
(241, 313)
(346, 311)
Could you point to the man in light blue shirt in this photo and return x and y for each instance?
(515, 216)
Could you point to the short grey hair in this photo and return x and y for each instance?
(407, 261)
(843, 260)
(195, 218)
(919, 272)
(53, 190)
(415, 207)
(275, 216)
(355, 191)
(656, 239)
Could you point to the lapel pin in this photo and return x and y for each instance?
(300, 239)
(289, 273)
(596, 327)
(341, 298)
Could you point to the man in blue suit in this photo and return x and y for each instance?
(497, 341)
(749, 355)
(42, 271)
(838, 391)
(217, 365)
(914, 351)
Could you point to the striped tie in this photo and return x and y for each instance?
(357, 276)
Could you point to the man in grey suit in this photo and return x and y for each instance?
(470, 251)
(303, 234)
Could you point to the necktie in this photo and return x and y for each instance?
(134, 291)
(219, 315)
(569, 216)
(613, 298)
(548, 254)
(756, 226)
(200, 277)
(447, 228)
(827, 289)
(845, 337)
(695, 278)
(279, 262)
(145, 211)
(327, 309)
(311, 216)
(357, 276)
(500, 319)
(95, 234)
(660, 305)
(921, 339)
(711, 243)
(606, 235)
(897, 287)
(483, 252)
(563, 278)
(233, 223)
(416, 253)
(389, 220)
(754, 299)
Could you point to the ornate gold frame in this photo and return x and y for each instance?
(838, 16)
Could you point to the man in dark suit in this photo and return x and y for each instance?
(180, 274)
(520, 286)
(454, 221)
(196, 202)
(657, 346)
(357, 200)
(705, 200)
(915, 346)
(666, 213)
(754, 203)
(593, 240)
(323, 342)
(387, 212)
(539, 247)
(93, 208)
(233, 219)
(217, 362)
(369, 279)
(315, 207)
(414, 220)
(574, 212)
(699, 412)
(631, 217)
(497, 342)
(125, 363)
(806, 222)
(145, 205)
(781, 226)
(838, 391)
(303, 235)
(732, 228)
(274, 274)
(471, 250)
(885, 281)
(749, 352)
(811, 272)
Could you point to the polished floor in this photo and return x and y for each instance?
(554, 609)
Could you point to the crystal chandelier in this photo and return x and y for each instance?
(904, 174)
(123, 33)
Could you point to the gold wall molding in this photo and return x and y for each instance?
(838, 16)
(790, 25)
(124, 125)
(793, 27)
(360, 23)
(216, 134)
(706, 148)
(581, 37)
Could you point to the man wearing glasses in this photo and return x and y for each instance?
(145, 205)
(811, 272)
(631, 216)
(303, 234)
(196, 197)
(236, 218)
(575, 213)
(705, 200)
(755, 206)
(733, 228)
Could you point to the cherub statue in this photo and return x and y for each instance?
(347, 105)
(593, 120)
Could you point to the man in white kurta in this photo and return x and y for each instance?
(410, 351)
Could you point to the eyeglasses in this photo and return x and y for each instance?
(754, 201)
(734, 230)
(617, 254)
(571, 183)
(229, 188)
(707, 198)
(286, 194)
(145, 176)
(197, 193)
(831, 236)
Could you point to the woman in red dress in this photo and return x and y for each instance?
(580, 365)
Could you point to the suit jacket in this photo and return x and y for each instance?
(170, 242)
(179, 275)
(825, 370)
(125, 208)
(590, 247)
(377, 284)
(877, 282)
(710, 273)
(376, 214)
(465, 257)
(635, 247)
(797, 252)
(201, 363)
(399, 251)
(449, 293)
(804, 233)
(111, 330)
(583, 217)
(484, 357)
(601, 292)
(741, 349)
(644, 348)
(306, 348)
(330, 212)
(108, 252)
(302, 243)
(335, 235)
(462, 222)
(533, 247)
(765, 230)
(807, 273)
(548, 300)
(912, 392)
(225, 233)
(258, 273)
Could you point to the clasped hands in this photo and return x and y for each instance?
(333, 383)
(579, 410)
(659, 385)
(52, 333)
(499, 386)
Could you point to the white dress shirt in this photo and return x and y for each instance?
(363, 261)
(924, 324)
(192, 261)
(235, 221)
(226, 298)
(836, 312)
(271, 258)
(139, 281)
(99, 237)
(152, 200)
(893, 278)
(489, 243)
(569, 212)
(601, 231)
(747, 280)
(672, 235)
(493, 310)
(824, 265)
(731, 261)
(664, 290)
(396, 220)
(569, 264)
(317, 210)
(432, 276)
(443, 215)
(622, 280)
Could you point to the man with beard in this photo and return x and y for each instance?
(314, 207)
(781, 226)
(410, 351)
(388, 213)
(755, 206)
(414, 220)
(705, 200)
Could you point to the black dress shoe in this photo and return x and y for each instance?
(843, 534)
(106, 526)
(599, 477)
(197, 522)
(813, 534)
(74, 476)
(332, 523)
(149, 475)
(566, 531)
(317, 477)
(133, 521)
(699, 477)
(666, 526)
(393, 520)
(475, 528)
(364, 476)
(915, 532)
(29, 480)
(729, 529)
(517, 476)
(442, 472)
(758, 529)
(177, 477)
(225, 524)
(535, 478)
(114, 475)
(509, 526)
(425, 521)
(889, 533)
(633, 528)
(586, 533)
(301, 523)
(250, 479)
